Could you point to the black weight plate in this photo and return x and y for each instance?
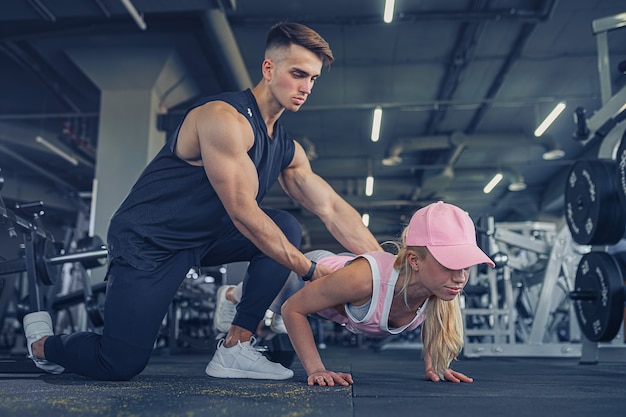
(593, 211)
(45, 249)
(599, 319)
(88, 244)
(280, 350)
(620, 163)
(95, 309)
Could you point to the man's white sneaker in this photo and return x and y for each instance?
(244, 361)
(224, 310)
(36, 326)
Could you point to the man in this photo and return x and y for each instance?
(197, 203)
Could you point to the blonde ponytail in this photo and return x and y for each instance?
(443, 332)
(443, 327)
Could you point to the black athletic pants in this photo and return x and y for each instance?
(137, 301)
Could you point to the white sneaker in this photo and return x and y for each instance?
(244, 361)
(278, 325)
(224, 310)
(36, 326)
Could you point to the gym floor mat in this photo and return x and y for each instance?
(389, 382)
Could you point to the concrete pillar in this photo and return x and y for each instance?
(127, 140)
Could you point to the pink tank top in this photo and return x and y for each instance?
(376, 321)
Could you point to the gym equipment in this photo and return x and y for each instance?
(620, 161)
(276, 347)
(41, 258)
(521, 307)
(599, 295)
(42, 254)
(35, 238)
(592, 205)
(188, 325)
(606, 127)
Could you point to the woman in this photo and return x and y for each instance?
(380, 294)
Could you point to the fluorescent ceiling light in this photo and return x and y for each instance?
(365, 218)
(392, 161)
(376, 121)
(492, 184)
(518, 185)
(130, 7)
(69, 158)
(388, 15)
(558, 109)
(552, 149)
(369, 186)
(553, 154)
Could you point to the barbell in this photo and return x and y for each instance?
(49, 256)
(599, 294)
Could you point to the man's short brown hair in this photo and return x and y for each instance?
(283, 34)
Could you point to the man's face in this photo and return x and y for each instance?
(292, 72)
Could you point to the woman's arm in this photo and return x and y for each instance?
(351, 284)
(448, 375)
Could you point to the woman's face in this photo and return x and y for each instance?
(444, 283)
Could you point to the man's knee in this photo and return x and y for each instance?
(126, 371)
(124, 362)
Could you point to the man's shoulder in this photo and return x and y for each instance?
(233, 99)
(222, 108)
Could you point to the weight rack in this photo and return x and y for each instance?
(606, 126)
(517, 319)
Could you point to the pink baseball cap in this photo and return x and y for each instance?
(448, 233)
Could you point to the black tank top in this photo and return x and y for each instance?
(173, 207)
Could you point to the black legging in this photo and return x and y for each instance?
(137, 301)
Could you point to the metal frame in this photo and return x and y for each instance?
(544, 240)
(614, 351)
(601, 27)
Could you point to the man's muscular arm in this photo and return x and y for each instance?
(224, 138)
(316, 195)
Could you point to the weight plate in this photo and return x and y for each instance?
(95, 309)
(45, 249)
(600, 317)
(593, 211)
(280, 350)
(89, 244)
(620, 163)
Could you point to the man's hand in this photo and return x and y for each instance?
(321, 271)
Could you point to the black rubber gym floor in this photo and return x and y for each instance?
(387, 383)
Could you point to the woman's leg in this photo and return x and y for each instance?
(294, 282)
